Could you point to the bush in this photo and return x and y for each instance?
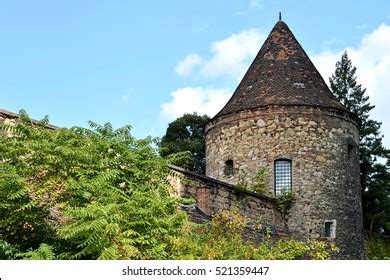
(7, 251)
(377, 247)
(222, 239)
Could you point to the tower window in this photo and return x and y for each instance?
(351, 151)
(330, 228)
(283, 178)
(229, 167)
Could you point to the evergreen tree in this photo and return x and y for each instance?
(187, 134)
(374, 175)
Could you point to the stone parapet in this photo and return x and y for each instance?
(212, 196)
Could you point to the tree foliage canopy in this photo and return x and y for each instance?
(89, 193)
(375, 177)
(187, 134)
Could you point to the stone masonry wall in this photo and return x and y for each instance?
(7, 117)
(322, 145)
(212, 196)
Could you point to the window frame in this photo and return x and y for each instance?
(332, 229)
(275, 176)
(229, 166)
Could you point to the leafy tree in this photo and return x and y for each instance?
(7, 252)
(375, 181)
(376, 247)
(187, 134)
(84, 194)
(44, 252)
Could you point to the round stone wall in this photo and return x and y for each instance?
(322, 146)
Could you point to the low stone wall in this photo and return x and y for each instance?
(213, 196)
(7, 117)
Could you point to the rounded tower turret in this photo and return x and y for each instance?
(283, 119)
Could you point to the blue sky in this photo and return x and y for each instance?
(146, 62)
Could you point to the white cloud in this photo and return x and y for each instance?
(232, 56)
(372, 60)
(207, 101)
(185, 67)
(229, 57)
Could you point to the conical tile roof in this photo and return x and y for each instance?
(281, 74)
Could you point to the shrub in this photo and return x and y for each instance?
(377, 247)
(222, 239)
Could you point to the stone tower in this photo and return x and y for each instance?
(283, 119)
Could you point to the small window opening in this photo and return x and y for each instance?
(330, 229)
(229, 167)
(350, 150)
(283, 177)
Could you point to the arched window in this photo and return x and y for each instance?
(283, 176)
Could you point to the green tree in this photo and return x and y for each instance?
(84, 194)
(374, 174)
(187, 134)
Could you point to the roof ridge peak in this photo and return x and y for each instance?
(281, 74)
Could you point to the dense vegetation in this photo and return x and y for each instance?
(377, 247)
(222, 239)
(95, 194)
(100, 193)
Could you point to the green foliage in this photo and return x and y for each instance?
(7, 251)
(187, 134)
(179, 158)
(375, 178)
(87, 194)
(44, 252)
(285, 201)
(211, 242)
(376, 247)
(257, 183)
